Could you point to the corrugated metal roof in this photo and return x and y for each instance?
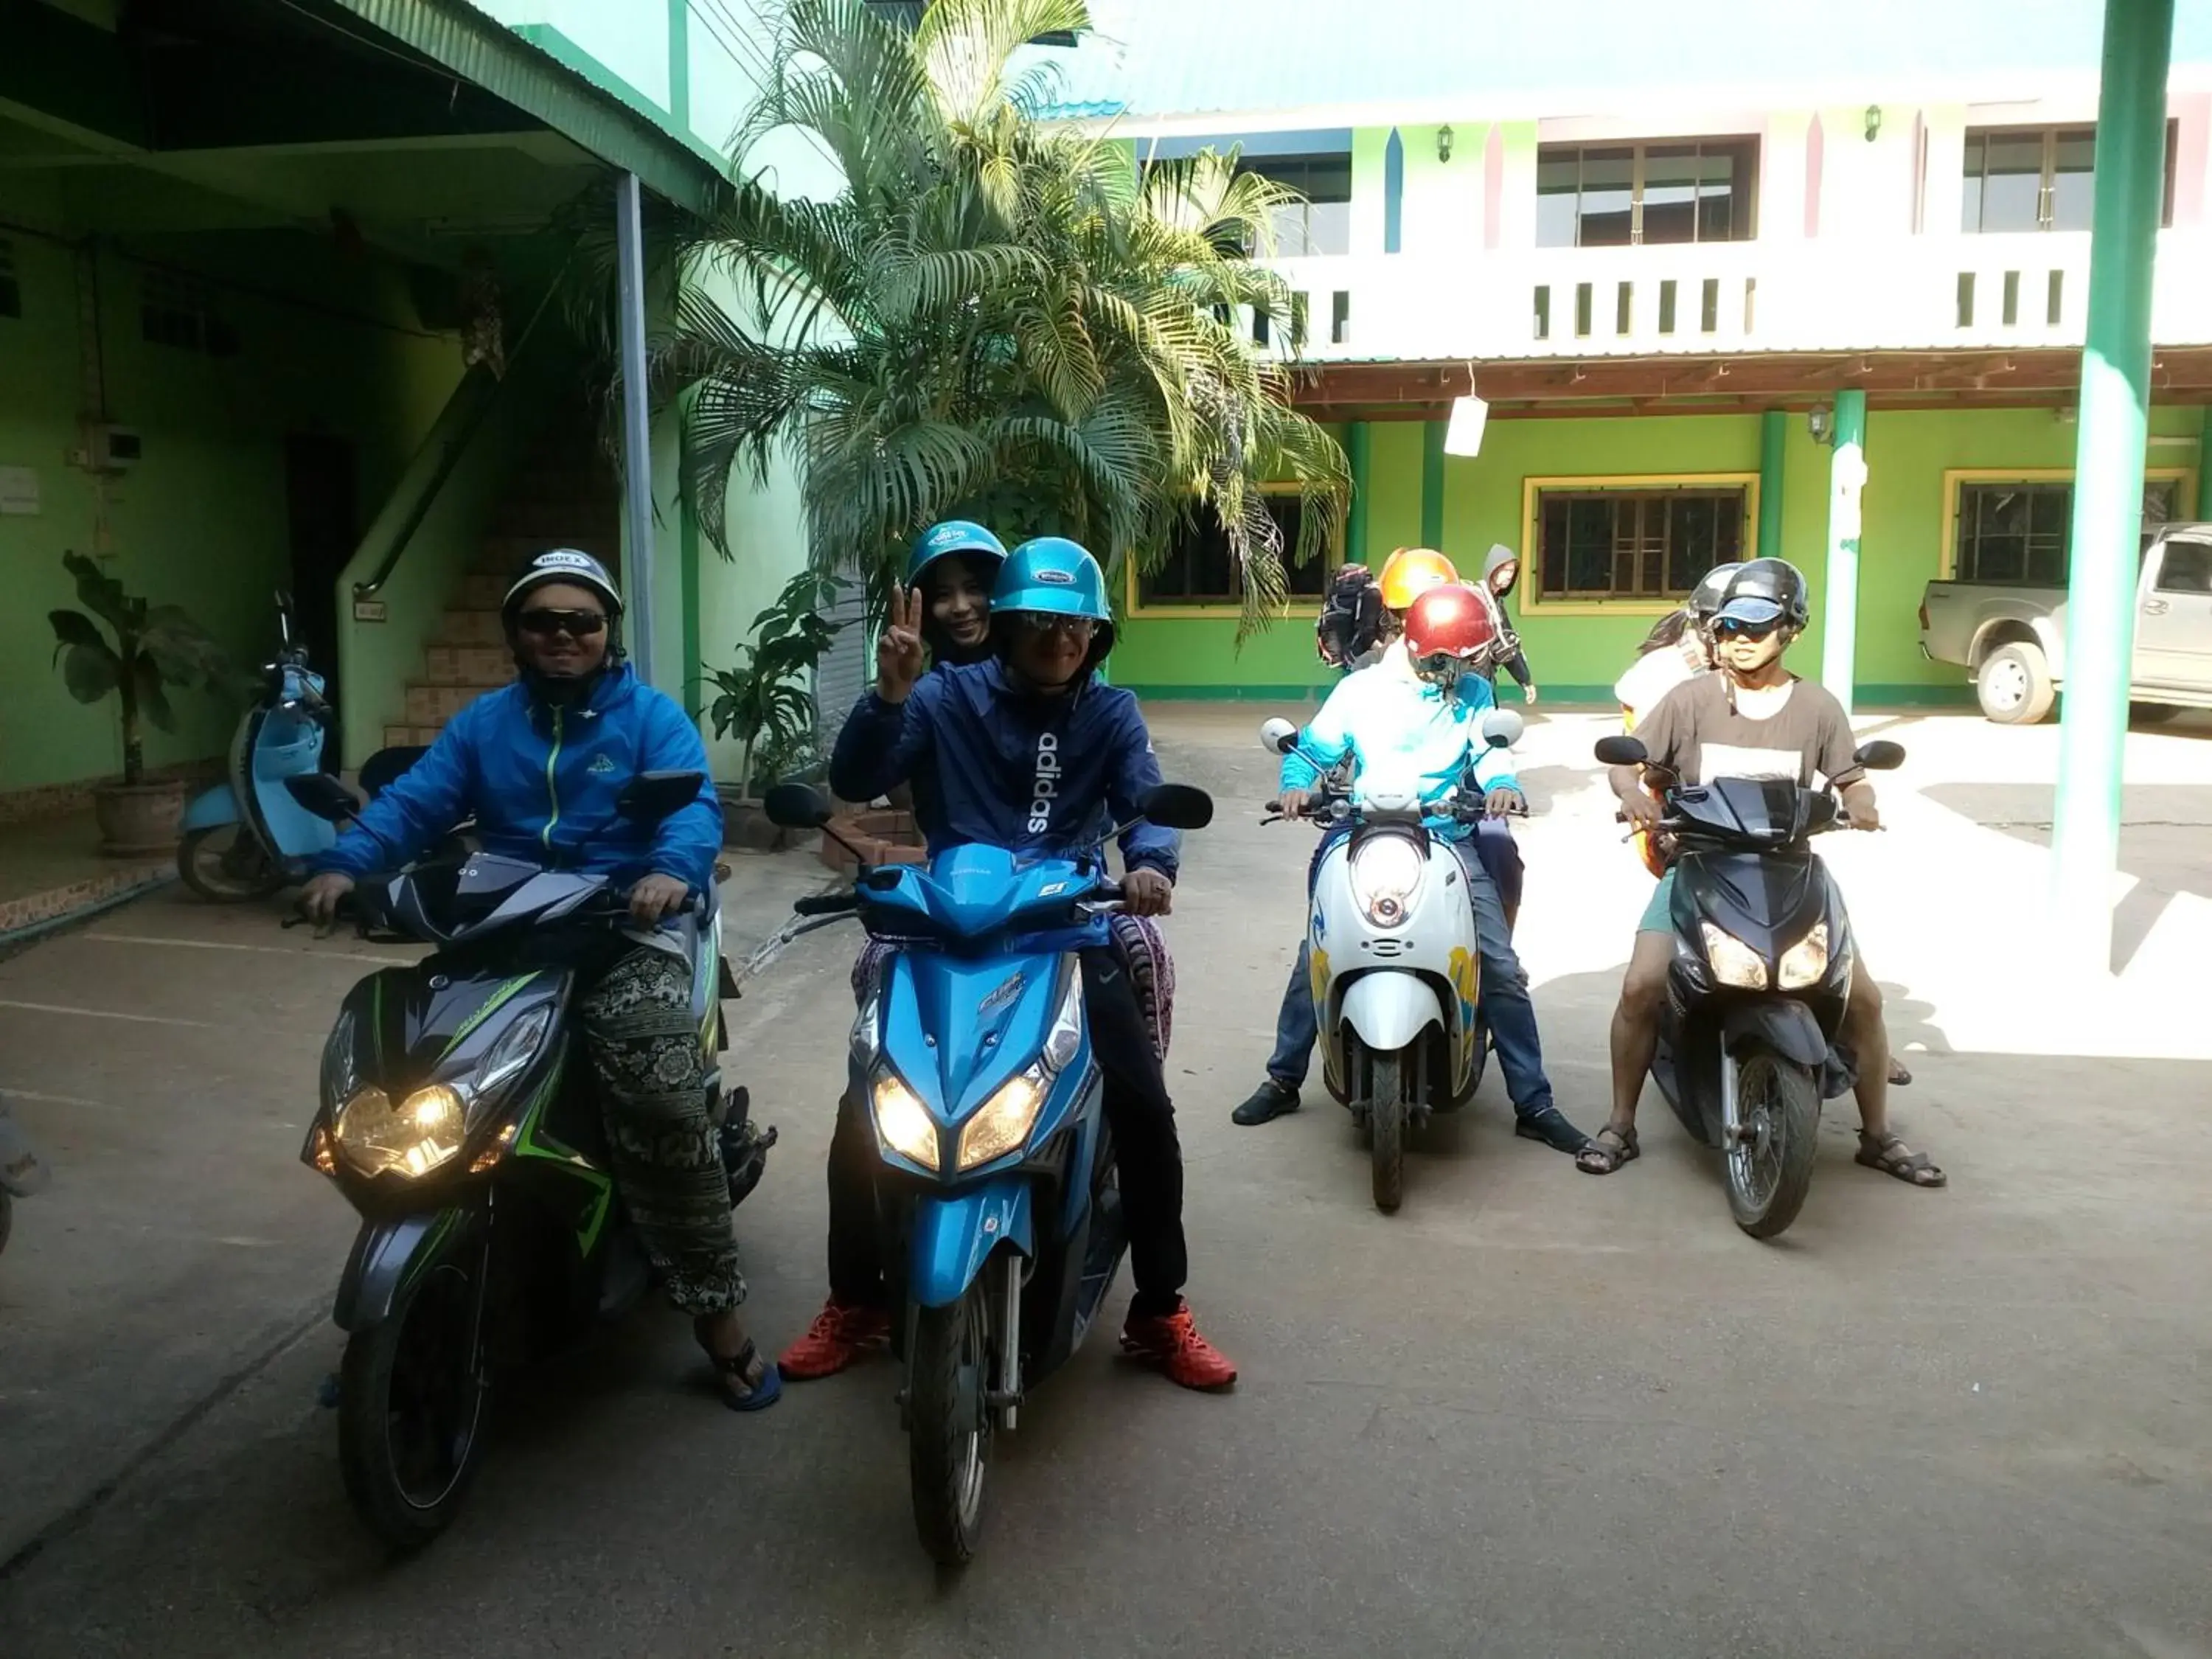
(1152, 59)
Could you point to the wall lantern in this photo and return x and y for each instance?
(1872, 122)
(1463, 435)
(1443, 143)
(1820, 421)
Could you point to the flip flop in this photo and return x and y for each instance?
(756, 1397)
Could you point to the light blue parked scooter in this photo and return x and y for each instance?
(245, 838)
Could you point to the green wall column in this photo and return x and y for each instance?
(1839, 606)
(2108, 478)
(1773, 434)
(1358, 450)
(1432, 485)
(2203, 508)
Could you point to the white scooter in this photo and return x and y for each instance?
(1393, 954)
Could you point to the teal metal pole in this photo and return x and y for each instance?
(1773, 434)
(1358, 452)
(1432, 485)
(2108, 479)
(1840, 609)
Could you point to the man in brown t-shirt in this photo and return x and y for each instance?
(1751, 719)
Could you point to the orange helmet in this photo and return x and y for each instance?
(1412, 571)
(1449, 627)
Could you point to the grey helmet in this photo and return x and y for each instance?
(1712, 586)
(1766, 590)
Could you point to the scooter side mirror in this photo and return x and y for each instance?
(1502, 728)
(652, 796)
(1881, 756)
(796, 806)
(1622, 751)
(1279, 736)
(320, 793)
(1177, 806)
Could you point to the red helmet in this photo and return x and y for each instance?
(1453, 622)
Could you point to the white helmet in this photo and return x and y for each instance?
(563, 564)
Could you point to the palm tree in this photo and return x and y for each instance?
(994, 318)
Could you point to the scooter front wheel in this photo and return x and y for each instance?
(411, 1398)
(226, 864)
(1770, 1166)
(1385, 1118)
(948, 1425)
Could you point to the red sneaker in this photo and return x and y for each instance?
(1172, 1343)
(840, 1335)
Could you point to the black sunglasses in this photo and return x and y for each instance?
(1729, 628)
(1439, 665)
(576, 624)
(1050, 622)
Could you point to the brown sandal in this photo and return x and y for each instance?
(1602, 1156)
(1892, 1157)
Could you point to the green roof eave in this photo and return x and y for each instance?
(479, 48)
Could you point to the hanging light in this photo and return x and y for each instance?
(1463, 437)
(1444, 142)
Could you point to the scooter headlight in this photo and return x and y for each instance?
(1805, 963)
(1066, 1034)
(1734, 962)
(340, 1071)
(1385, 871)
(905, 1122)
(1006, 1119)
(418, 1135)
(510, 1056)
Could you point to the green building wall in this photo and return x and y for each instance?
(326, 346)
(1576, 652)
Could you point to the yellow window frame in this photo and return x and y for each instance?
(1214, 610)
(1955, 478)
(1531, 590)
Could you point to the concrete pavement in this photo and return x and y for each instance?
(1533, 1413)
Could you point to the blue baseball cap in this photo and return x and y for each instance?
(1750, 610)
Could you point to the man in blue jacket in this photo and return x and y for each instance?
(1030, 751)
(539, 764)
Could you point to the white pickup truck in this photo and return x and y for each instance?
(2012, 640)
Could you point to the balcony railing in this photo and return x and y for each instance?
(1924, 293)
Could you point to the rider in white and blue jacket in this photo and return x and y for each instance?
(1414, 720)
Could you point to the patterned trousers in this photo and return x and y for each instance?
(644, 1047)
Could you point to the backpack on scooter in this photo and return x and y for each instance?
(1351, 622)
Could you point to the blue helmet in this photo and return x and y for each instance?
(953, 536)
(1053, 574)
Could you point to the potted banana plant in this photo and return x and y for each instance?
(155, 647)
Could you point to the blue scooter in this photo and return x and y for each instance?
(997, 1191)
(245, 838)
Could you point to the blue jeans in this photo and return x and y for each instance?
(1506, 1009)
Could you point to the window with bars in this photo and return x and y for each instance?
(1694, 190)
(2021, 534)
(2032, 179)
(1636, 543)
(1200, 568)
(177, 309)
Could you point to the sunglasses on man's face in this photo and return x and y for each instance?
(576, 624)
(1439, 665)
(1729, 628)
(1042, 621)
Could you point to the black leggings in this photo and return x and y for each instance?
(1149, 1155)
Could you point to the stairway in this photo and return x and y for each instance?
(565, 495)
